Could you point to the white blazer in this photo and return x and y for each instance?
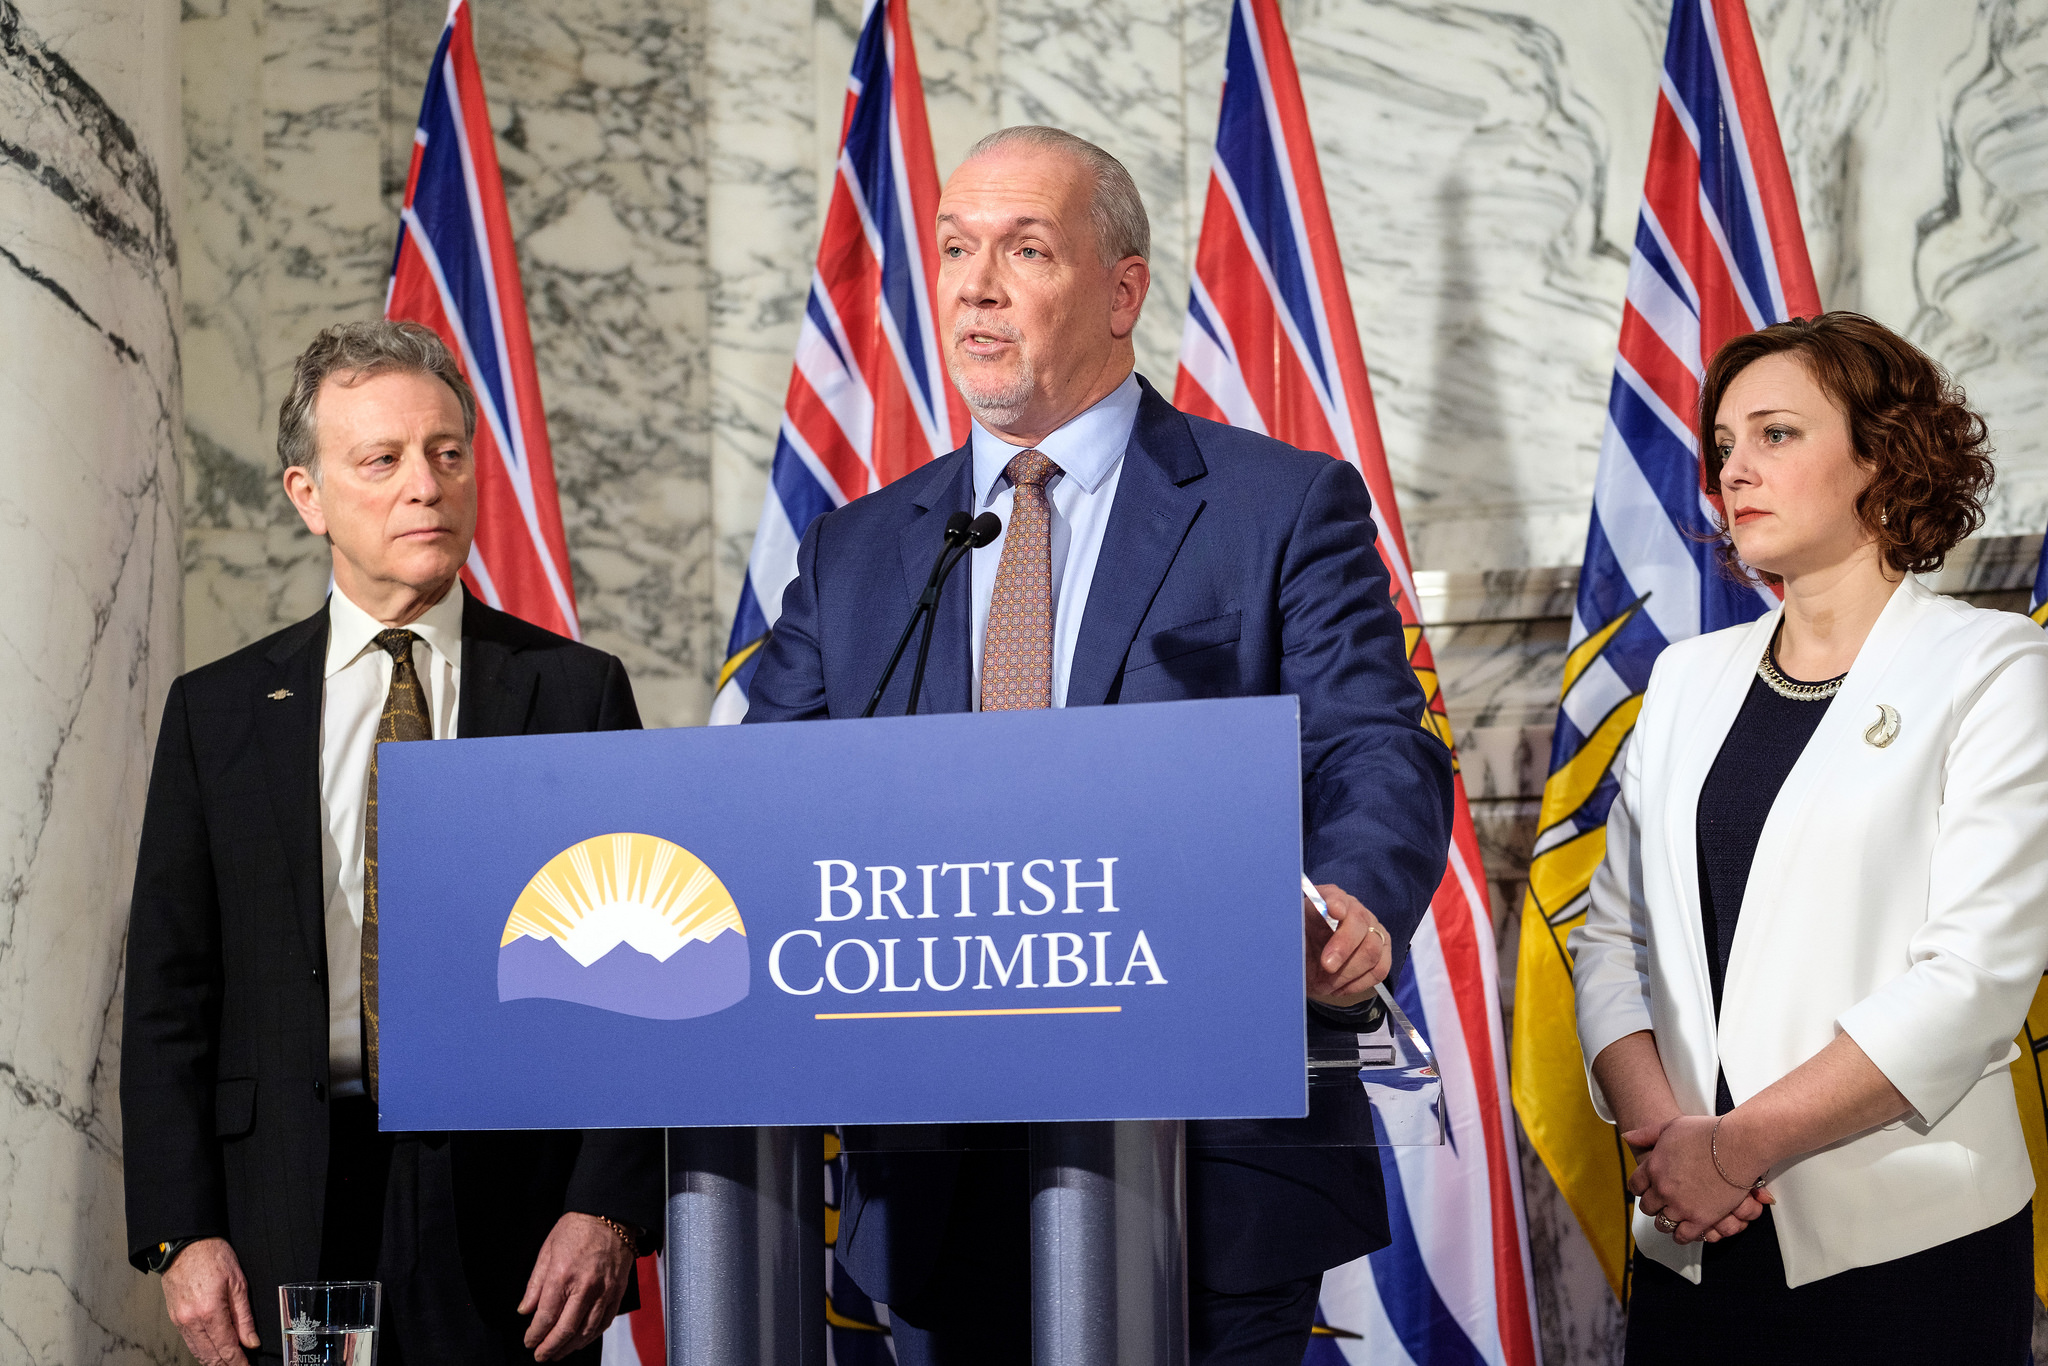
(1898, 894)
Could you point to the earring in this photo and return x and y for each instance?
(1884, 517)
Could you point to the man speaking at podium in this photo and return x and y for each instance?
(1146, 556)
(249, 1058)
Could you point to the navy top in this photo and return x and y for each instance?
(1769, 735)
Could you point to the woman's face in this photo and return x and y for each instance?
(1789, 477)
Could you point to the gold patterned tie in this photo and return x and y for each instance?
(1016, 653)
(404, 718)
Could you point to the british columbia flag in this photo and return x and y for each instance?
(2038, 608)
(1718, 252)
(1271, 344)
(456, 272)
(868, 401)
(2030, 1069)
(868, 397)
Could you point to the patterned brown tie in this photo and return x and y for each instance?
(404, 718)
(1016, 653)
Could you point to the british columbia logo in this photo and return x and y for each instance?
(627, 923)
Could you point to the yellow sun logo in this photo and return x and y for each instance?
(655, 928)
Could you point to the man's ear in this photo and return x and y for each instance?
(304, 491)
(1133, 280)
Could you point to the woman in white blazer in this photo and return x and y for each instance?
(1824, 906)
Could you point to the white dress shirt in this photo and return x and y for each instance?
(358, 681)
(1090, 453)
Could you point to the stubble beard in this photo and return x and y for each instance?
(995, 402)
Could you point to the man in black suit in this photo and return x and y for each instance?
(249, 1062)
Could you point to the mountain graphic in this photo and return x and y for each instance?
(696, 979)
(629, 923)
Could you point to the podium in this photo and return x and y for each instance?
(1082, 927)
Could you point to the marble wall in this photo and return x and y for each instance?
(667, 164)
(298, 121)
(90, 635)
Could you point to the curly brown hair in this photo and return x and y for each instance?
(1908, 421)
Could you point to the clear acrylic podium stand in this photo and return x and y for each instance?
(745, 1281)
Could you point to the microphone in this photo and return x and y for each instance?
(958, 525)
(984, 529)
(980, 532)
(960, 530)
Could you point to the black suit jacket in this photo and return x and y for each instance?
(224, 1057)
(1232, 566)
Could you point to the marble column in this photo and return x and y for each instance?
(89, 636)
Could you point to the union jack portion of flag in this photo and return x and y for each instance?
(1271, 344)
(869, 399)
(456, 272)
(1718, 252)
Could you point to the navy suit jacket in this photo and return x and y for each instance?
(1233, 566)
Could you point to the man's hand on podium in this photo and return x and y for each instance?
(576, 1286)
(1344, 964)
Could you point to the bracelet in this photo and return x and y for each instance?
(626, 1235)
(1714, 1148)
(163, 1254)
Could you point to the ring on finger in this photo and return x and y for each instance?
(1666, 1224)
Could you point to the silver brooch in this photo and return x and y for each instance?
(1884, 729)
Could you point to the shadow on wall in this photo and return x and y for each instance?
(1465, 416)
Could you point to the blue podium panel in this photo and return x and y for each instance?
(1047, 915)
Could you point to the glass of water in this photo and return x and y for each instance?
(330, 1323)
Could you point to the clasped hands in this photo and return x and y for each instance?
(1678, 1183)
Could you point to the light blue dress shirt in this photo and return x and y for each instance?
(1090, 453)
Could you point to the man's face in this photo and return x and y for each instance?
(397, 488)
(1032, 320)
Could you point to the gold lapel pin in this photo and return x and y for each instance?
(1884, 729)
(280, 695)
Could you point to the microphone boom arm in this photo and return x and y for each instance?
(980, 532)
(931, 619)
(962, 535)
(957, 529)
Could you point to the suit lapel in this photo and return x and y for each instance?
(949, 489)
(1147, 525)
(1848, 715)
(288, 729)
(497, 693)
(1722, 702)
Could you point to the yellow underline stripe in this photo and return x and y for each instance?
(951, 1014)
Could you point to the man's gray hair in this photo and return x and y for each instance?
(1121, 228)
(359, 351)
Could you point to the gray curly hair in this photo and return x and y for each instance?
(359, 351)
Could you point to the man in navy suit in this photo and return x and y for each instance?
(1146, 556)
